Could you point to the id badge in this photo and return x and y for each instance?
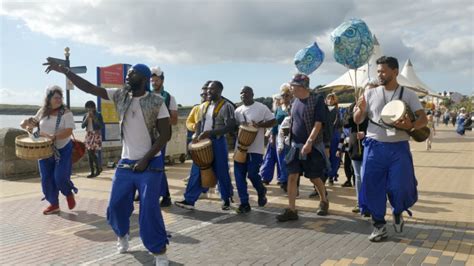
(391, 132)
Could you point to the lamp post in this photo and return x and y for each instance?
(66, 55)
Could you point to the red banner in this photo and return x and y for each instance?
(112, 74)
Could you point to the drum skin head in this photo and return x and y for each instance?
(393, 111)
(249, 128)
(200, 144)
(27, 139)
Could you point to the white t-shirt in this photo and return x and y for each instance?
(48, 126)
(210, 111)
(173, 105)
(257, 112)
(136, 139)
(375, 103)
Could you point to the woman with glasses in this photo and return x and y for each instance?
(56, 122)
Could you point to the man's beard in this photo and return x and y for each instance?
(384, 81)
(157, 88)
(134, 86)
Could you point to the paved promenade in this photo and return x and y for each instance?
(441, 231)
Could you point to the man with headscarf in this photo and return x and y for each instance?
(145, 129)
(157, 80)
(216, 121)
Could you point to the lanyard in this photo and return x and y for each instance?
(393, 95)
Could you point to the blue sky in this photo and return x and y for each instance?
(237, 42)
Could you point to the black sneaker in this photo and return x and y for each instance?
(314, 194)
(165, 202)
(91, 175)
(323, 208)
(347, 184)
(287, 215)
(266, 183)
(244, 208)
(262, 199)
(356, 209)
(226, 205)
(184, 204)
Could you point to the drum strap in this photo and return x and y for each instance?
(214, 113)
(380, 124)
(57, 155)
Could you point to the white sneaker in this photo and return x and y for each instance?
(398, 223)
(161, 260)
(122, 243)
(378, 234)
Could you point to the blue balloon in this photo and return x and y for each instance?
(353, 43)
(308, 59)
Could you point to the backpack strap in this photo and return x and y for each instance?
(401, 93)
(167, 98)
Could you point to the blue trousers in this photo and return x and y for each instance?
(335, 161)
(56, 175)
(221, 169)
(270, 159)
(282, 165)
(148, 184)
(248, 169)
(387, 170)
(165, 190)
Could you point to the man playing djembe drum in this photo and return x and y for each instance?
(257, 115)
(217, 120)
(145, 129)
(387, 167)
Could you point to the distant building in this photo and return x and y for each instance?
(455, 97)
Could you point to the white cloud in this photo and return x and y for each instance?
(436, 35)
(26, 96)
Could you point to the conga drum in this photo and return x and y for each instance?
(202, 155)
(33, 148)
(245, 138)
(396, 110)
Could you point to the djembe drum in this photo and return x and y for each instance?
(33, 148)
(202, 155)
(396, 110)
(245, 138)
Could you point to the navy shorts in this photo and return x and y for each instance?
(312, 167)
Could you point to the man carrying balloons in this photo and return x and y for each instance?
(387, 168)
